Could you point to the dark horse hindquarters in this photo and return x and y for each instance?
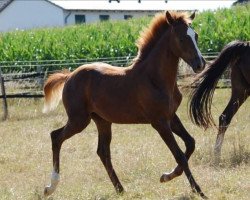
(237, 56)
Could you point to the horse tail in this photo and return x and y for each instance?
(205, 83)
(53, 90)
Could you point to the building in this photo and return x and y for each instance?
(27, 14)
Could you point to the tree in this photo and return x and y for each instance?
(240, 2)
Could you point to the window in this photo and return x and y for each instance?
(128, 17)
(80, 19)
(104, 17)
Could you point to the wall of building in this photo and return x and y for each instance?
(23, 14)
(93, 16)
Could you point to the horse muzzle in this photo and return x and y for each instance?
(198, 64)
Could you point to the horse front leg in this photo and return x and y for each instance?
(178, 128)
(164, 129)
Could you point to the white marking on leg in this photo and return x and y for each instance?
(218, 143)
(191, 33)
(55, 178)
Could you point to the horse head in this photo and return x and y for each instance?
(184, 41)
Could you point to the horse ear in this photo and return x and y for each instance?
(169, 17)
(192, 16)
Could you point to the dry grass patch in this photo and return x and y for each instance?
(138, 154)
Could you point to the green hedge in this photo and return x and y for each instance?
(221, 27)
(117, 38)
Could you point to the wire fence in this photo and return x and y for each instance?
(25, 79)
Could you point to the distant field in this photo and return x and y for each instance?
(139, 157)
(117, 38)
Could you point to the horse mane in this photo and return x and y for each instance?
(150, 36)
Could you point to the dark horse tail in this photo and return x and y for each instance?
(205, 83)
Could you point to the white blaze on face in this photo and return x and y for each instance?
(191, 34)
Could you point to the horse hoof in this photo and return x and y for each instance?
(47, 191)
(165, 178)
(203, 196)
(119, 190)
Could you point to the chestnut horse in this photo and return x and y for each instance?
(145, 92)
(237, 56)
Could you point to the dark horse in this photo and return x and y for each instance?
(145, 92)
(237, 56)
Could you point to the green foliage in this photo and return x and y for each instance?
(112, 39)
(109, 39)
(218, 28)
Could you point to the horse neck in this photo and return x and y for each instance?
(161, 65)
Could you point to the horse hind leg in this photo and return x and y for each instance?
(178, 128)
(103, 150)
(74, 125)
(236, 100)
(239, 94)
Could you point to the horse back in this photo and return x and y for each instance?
(105, 90)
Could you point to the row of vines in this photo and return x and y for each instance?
(117, 38)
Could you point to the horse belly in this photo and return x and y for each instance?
(120, 109)
(121, 118)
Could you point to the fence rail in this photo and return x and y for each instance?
(25, 79)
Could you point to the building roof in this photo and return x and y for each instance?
(122, 5)
(4, 4)
(131, 5)
(144, 5)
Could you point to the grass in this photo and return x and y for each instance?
(138, 154)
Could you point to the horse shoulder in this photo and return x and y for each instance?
(156, 101)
